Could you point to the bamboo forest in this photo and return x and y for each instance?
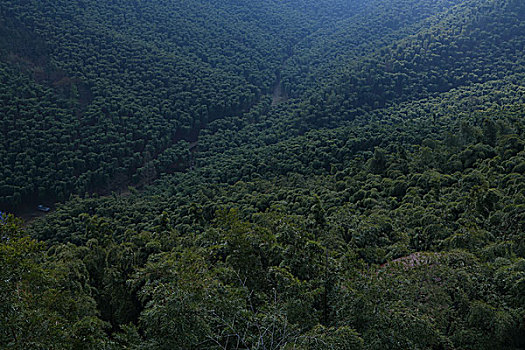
(263, 175)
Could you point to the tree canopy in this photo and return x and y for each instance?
(263, 175)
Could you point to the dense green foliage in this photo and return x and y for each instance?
(137, 78)
(375, 201)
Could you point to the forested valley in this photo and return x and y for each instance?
(274, 174)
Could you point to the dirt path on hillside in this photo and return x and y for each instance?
(278, 96)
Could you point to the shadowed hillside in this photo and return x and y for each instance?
(297, 174)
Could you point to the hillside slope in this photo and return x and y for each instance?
(140, 79)
(381, 206)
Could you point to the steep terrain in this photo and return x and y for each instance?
(380, 206)
(140, 79)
